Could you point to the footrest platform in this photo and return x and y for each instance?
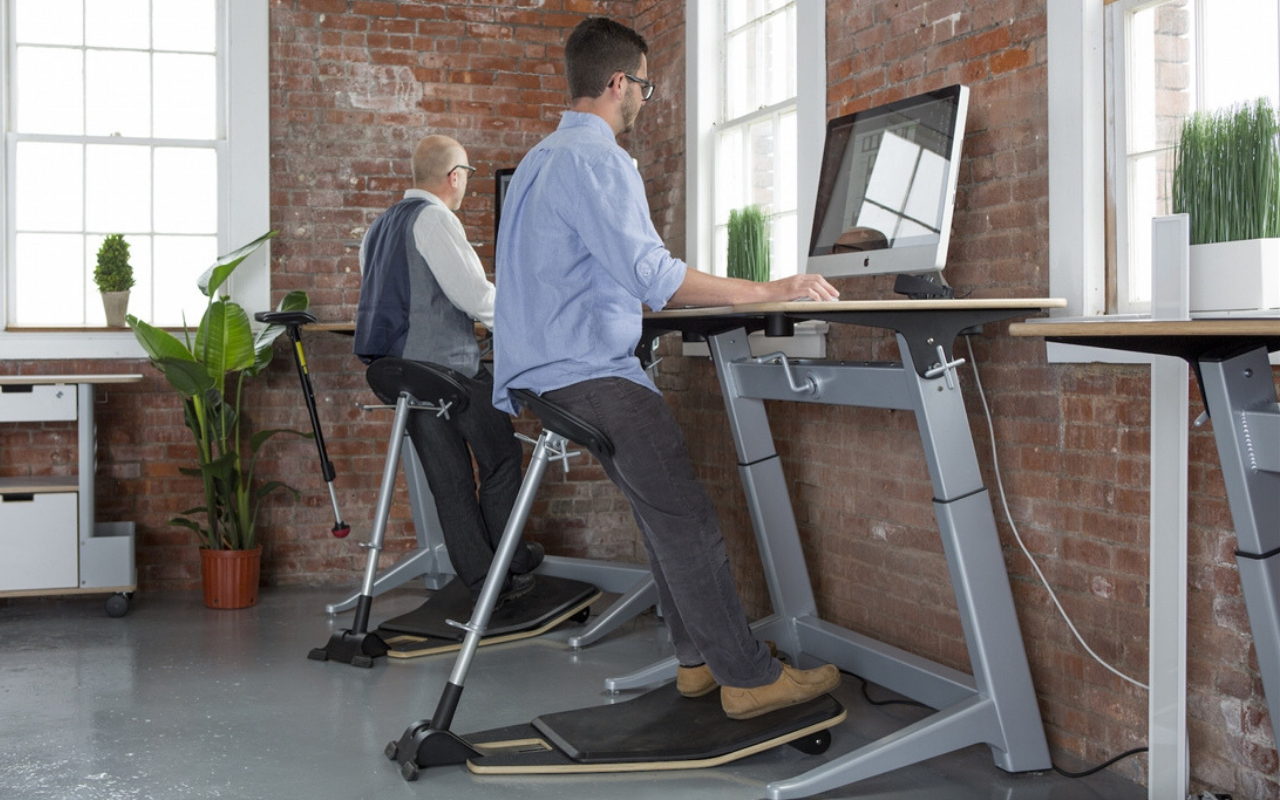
(425, 631)
(659, 730)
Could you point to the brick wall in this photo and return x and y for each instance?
(354, 84)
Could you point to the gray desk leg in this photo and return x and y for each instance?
(1241, 398)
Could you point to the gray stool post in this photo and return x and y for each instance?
(427, 743)
(411, 386)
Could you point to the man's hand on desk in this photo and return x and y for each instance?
(701, 289)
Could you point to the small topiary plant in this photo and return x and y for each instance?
(113, 272)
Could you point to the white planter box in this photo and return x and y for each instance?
(1235, 276)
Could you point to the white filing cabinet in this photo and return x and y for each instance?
(50, 542)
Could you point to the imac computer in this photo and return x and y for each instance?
(887, 187)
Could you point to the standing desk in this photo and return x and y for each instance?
(1230, 361)
(996, 704)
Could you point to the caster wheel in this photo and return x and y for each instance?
(318, 654)
(117, 605)
(391, 751)
(812, 744)
(582, 616)
(409, 771)
(364, 662)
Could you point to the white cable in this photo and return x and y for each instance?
(995, 464)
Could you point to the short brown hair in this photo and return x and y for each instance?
(597, 49)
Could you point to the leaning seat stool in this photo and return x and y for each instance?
(402, 383)
(429, 742)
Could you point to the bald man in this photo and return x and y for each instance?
(422, 290)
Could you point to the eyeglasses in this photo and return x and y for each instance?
(646, 88)
(470, 170)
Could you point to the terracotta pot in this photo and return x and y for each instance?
(230, 577)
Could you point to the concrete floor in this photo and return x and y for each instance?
(176, 701)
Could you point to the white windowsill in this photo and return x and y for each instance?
(69, 344)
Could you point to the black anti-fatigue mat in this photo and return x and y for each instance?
(424, 631)
(657, 730)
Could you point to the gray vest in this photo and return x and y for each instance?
(435, 330)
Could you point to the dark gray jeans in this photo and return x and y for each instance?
(651, 466)
(472, 522)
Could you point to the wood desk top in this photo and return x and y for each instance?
(1236, 326)
(805, 307)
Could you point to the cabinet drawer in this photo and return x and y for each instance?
(39, 542)
(38, 402)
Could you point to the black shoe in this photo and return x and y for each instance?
(534, 553)
(515, 586)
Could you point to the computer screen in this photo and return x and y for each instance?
(887, 187)
(501, 179)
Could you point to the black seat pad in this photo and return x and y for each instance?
(285, 317)
(568, 425)
(428, 383)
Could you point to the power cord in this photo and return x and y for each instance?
(1004, 503)
(1135, 751)
(1008, 515)
(866, 695)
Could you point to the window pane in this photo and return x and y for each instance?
(760, 168)
(778, 58)
(119, 93)
(117, 188)
(731, 191)
(179, 261)
(49, 276)
(116, 23)
(49, 186)
(738, 78)
(785, 252)
(186, 88)
(50, 93)
(47, 22)
(1161, 74)
(189, 25)
(186, 190)
(1240, 53)
(788, 154)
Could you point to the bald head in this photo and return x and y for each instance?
(434, 156)
(435, 159)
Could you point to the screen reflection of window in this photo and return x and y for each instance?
(902, 190)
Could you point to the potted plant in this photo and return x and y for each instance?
(208, 370)
(748, 244)
(1226, 178)
(114, 277)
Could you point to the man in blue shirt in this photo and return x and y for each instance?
(577, 259)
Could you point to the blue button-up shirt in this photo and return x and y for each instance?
(577, 255)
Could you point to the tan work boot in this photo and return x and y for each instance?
(792, 687)
(697, 681)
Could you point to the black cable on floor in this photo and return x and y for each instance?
(1100, 767)
(1135, 751)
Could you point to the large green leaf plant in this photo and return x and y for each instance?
(225, 351)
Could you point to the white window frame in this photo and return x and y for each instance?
(1078, 115)
(244, 209)
(702, 81)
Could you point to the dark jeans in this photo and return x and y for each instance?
(472, 522)
(651, 466)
